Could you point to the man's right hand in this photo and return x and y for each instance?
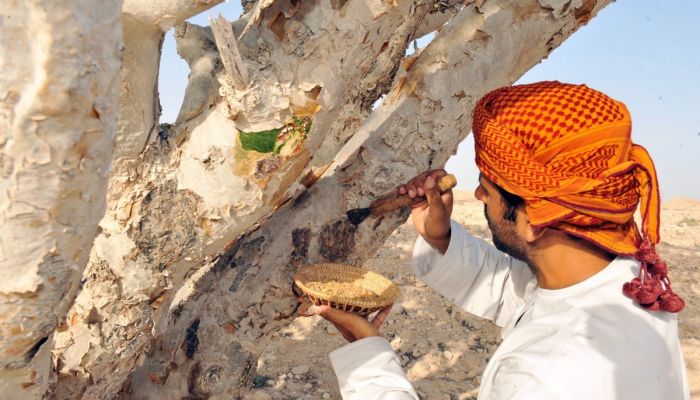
(431, 217)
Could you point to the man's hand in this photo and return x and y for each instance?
(432, 216)
(352, 326)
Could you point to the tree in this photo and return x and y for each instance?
(277, 137)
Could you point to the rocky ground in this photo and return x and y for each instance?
(443, 349)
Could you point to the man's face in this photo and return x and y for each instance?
(504, 232)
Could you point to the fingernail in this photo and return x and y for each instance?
(429, 183)
(411, 193)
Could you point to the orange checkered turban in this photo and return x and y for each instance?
(567, 151)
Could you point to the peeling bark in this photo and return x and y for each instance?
(58, 107)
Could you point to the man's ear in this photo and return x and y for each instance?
(528, 232)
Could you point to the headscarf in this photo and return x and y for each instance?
(567, 151)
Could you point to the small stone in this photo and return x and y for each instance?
(300, 370)
(330, 329)
(230, 327)
(308, 386)
(397, 308)
(326, 395)
(448, 355)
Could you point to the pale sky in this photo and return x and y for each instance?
(644, 53)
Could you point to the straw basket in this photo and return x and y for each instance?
(346, 287)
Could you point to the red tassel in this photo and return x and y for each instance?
(651, 289)
(649, 294)
(660, 268)
(671, 302)
(630, 289)
(647, 253)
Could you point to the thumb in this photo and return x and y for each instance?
(436, 207)
(332, 315)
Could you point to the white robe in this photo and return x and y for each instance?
(586, 341)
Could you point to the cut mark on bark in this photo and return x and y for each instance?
(337, 240)
(314, 92)
(267, 166)
(191, 341)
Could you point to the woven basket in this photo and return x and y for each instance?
(346, 287)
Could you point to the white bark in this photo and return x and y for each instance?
(59, 62)
(180, 196)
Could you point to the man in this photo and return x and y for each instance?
(586, 304)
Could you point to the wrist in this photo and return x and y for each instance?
(440, 244)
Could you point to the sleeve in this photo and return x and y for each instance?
(474, 275)
(368, 369)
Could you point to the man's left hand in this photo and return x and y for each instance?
(352, 326)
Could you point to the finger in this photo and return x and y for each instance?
(419, 180)
(415, 184)
(304, 308)
(352, 326)
(432, 194)
(448, 201)
(437, 173)
(382, 316)
(336, 317)
(437, 211)
(411, 189)
(402, 189)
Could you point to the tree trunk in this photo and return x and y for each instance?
(193, 266)
(58, 107)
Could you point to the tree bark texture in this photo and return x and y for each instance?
(206, 225)
(58, 113)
